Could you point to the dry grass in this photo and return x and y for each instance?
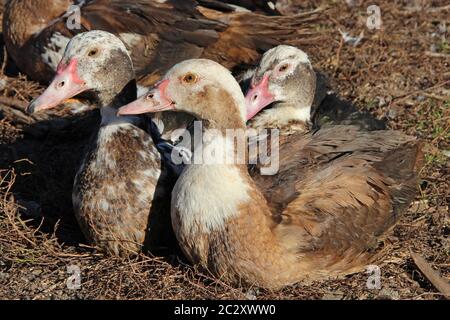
(400, 73)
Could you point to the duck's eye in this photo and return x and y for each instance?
(190, 78)
(283, 67)
(150, 96)
(93, 52)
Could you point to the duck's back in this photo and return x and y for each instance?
(329, 109)
(158, 34)
(139, 24)
(339, 189)
(333, 110)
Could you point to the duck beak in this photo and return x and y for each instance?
(65, 85)
(258, 97)
(154, 101)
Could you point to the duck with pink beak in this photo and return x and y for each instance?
(121, 193)
(282, 89)
(65, 85)
(286, 93)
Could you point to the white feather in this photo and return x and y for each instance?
(207, 196)
(54, 50)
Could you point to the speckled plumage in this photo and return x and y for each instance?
(115, 191)
(122, 190)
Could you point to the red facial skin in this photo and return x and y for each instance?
(65, 85)
(258, 97)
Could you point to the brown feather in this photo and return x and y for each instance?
(164, 33)
(338, 190)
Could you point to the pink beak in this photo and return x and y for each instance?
(154, 101)
(65, 85)
(258, 97)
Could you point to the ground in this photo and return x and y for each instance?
(399, 72)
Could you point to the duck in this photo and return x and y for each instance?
(157, 34)
(286, 92)
(332, 218)
(121, 193)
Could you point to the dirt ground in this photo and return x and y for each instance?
(399, 72)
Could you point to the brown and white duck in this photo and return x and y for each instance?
(284, 91)
(121, 193)
(331, 219)
(157, 34)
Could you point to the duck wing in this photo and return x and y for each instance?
(338, 190)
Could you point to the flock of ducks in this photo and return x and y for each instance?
(341, 184)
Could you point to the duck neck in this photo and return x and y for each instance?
(213, 182)
(223, 222)
(219, 146)
(110, 101)
(287, 116)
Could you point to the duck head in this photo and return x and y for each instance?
(94, 62)
(199, 87)
(284, 81)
